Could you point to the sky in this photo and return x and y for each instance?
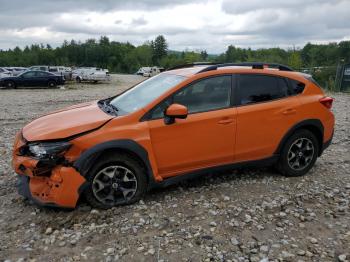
(210, 25)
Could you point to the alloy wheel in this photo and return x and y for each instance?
(114, 185)
(300, 154)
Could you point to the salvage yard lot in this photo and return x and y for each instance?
(245, 214)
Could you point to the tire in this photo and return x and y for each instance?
(298, 154)
(51, 84)
(78, 80)
(10, 84)
(107, 181)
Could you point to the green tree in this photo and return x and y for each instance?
(160, 49)
(295, 60)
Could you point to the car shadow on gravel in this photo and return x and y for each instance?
(215, 179)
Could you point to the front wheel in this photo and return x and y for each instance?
(117, 179)
(299, 154)
(10, 84)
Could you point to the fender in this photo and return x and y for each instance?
(86, 159)
(313, 123)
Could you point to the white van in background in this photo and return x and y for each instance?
(91, 74)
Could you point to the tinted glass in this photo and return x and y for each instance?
(296, 87)
(145, 92)
(29, 74)
(206, 95)
(41, 74)
(260, 88)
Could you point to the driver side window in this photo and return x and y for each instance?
(209, 94)
(29, 74)
(206, 95)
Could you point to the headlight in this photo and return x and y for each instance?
(48, 149)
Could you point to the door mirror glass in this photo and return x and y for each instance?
(175, 111)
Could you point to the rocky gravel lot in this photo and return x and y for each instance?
(241, 215)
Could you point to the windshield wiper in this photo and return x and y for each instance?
(114, 107)
(107, 107)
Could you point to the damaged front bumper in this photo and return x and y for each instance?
(45, 183)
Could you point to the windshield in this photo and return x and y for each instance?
(145, 92)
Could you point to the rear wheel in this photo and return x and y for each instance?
(299, 154)
(51, 84)
(78, 80)
(116, 180)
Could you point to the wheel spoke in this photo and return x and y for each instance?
(309, 147)
(291, 155)
(128, 177)
(100, 185)
(127, 191)
(296, 163)
(299, 143)
(109, 197)
(109, 173)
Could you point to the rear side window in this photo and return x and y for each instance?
(296, 87)
(261, 88)
(41, 74)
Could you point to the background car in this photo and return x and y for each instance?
(4, 72)
(16, 70)
(91, 74)
(31, 79)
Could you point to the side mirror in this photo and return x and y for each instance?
(175, 111)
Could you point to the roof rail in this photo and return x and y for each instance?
(191, 65)
(254, 65)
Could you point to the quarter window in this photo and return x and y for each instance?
(296, 87)
(261, 88)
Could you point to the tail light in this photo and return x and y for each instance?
(327, 102)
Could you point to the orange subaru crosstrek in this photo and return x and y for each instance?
(178, 124)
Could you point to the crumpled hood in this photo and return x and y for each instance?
(66, 122)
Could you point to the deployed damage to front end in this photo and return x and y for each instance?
(45, 175)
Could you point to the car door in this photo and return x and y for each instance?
(42, 78)
(265, 113)
(28, 78)
(205, 138)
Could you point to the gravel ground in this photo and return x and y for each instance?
(240, 215)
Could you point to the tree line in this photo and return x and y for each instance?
(128, 58)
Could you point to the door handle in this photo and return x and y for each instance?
(289, 111)
(225, 121)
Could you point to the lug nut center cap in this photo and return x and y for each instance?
(115, 185)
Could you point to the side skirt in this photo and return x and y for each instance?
(255, 163)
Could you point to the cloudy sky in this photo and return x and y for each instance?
(186, 24)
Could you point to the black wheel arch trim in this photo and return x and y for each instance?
(87, 158)
(314, 123)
